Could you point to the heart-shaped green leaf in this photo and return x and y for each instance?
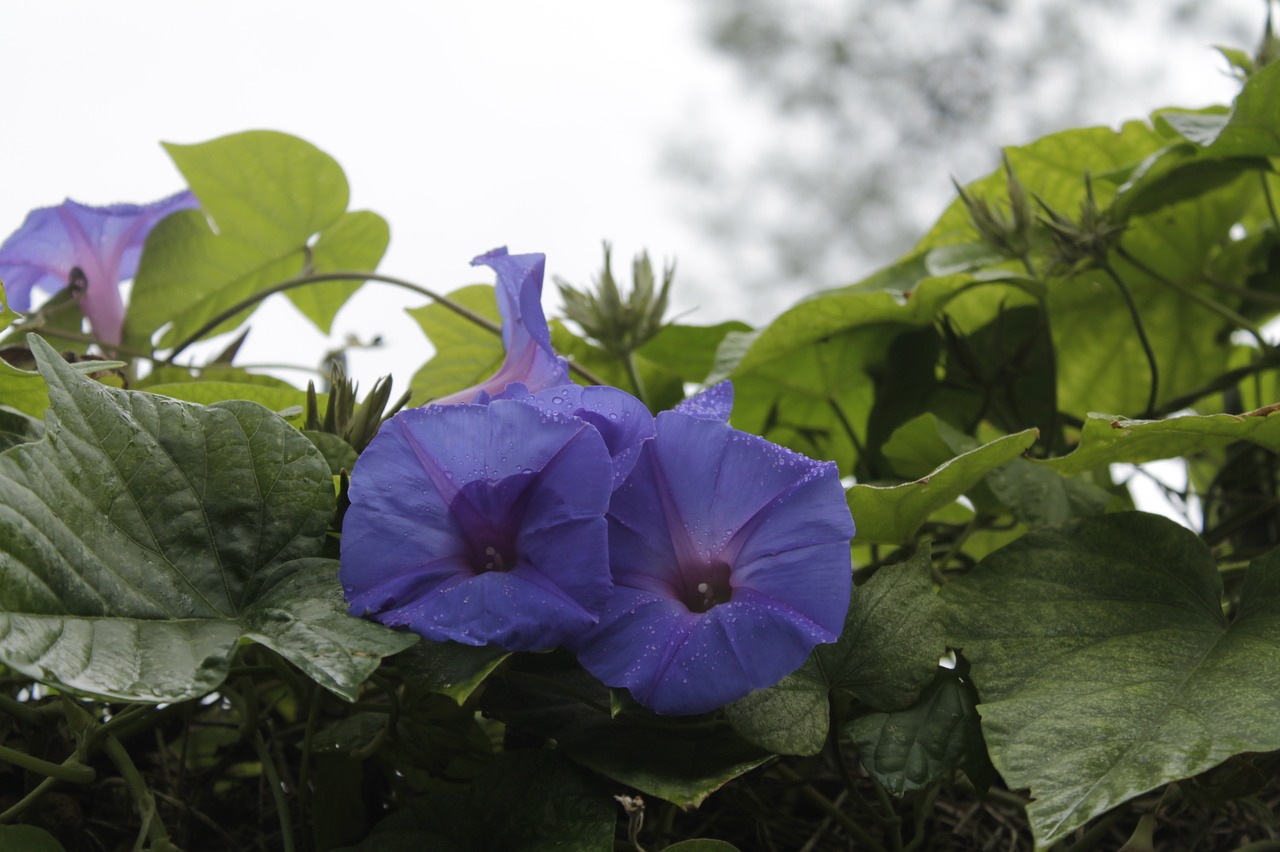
(278, 209)
(1106, 666)
(144, 537)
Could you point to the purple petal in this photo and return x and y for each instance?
(714, 403)
(480, 524)
(530, 359)
(730, 559)
(717, 478)
(103, 242)
(621, 419)
(678, 663)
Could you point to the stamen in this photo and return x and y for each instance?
(496, 557)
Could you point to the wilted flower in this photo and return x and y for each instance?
(730, 559)
(481, 524)
(530, 359)
(91, 249)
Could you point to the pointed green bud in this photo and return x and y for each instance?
(342, 417)
(620, 325)
(1008, 233)
(1084, 243)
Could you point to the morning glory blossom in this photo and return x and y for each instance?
(91, 249)
(622, 420)
(730, 559)
(530, 359)
(481, 524)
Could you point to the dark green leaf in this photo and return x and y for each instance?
(450, 668)
(908, 749)
(1106, 666)
(144, 537)
(1038, 495)
(27, 838)
(889, 649)
(531, 800)
(790, 717)
(17, 427)
(338, 453)
(681, 764)
(892, 639)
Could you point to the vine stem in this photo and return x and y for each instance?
(352, 275)
(1197, 297)
(860, 834)
(71, 770)
(1142, 336)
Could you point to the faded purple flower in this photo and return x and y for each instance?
(481, 524)
(730, 559)
(530, 359)
(91, 249)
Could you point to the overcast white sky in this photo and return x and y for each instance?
(466, 125)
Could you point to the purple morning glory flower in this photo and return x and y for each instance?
(481, 524)
(530, 359)
(730, 559)
(91, 249)
(622, 420)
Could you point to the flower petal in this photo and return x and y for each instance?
(730, 559)
(529, 358)
(718, 478)
(442, 489)
(714, 403)
(679, 663)
(103, 242)
(622, 420)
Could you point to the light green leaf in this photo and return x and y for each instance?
(1106, 665)
(7, 315)
(677, 355)
(144, 537)
(298, 611)
(810, 380)
(1250, 128)
(357, 240)
(270, 196)
(465, 354)
(893, 514)
(209, 392)
(22, 390)
(1108, 440)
